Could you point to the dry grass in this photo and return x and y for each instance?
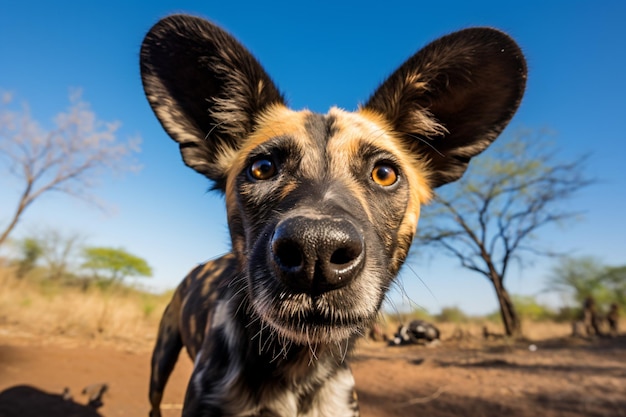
(124, 317)
(48, 310)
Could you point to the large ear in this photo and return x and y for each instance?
(205, 88)
(451, 99)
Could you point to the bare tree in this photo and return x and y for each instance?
(56, 253)
(488, 218)
(60, 253)
(69, 158)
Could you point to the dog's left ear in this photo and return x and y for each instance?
(452, 99)
(206, 90)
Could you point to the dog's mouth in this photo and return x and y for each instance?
(306, 320)
(330, 317)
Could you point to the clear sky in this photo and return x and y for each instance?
(321, 54)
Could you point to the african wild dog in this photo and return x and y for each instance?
(321, 208)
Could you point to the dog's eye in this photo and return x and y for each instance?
(262, 169)
(384, 175)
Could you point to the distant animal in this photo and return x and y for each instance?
(322, 208)
(418, 332)
(590, 317)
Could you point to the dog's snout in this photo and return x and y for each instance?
(316, 255)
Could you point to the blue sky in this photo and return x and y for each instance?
(320, 54)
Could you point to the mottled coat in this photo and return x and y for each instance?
(322, 208)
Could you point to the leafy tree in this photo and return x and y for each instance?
(488, 219)
(68, 158)
(581, 277)
(30, 252)
(115, 264)
(578, 278)
(615, 279)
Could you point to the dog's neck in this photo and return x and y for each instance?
(251, 366)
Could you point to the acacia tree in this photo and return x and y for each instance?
(580, 277)
(68, 158)
(487, 219)
(115, 264)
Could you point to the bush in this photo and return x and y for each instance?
(452, 315)
(566, 314)
(495, 317)
(529, 309)
(405, 317)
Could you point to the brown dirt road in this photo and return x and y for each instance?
(560, 378)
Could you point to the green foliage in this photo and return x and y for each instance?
(615, 280)
(53, 259)
(31, 251)
(403, 317)
(48, 255)
(582, 277)
(113, 265)
(528, 308)
(452, 315)
(566, 314)
(494, 317)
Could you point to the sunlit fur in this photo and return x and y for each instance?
(353, 132)
(317, 242)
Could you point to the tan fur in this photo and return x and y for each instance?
(317, 240)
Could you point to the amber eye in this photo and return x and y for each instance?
(384, 175)
(262, 169)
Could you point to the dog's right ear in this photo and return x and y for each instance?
(206, 90)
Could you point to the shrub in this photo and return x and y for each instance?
(452, 315)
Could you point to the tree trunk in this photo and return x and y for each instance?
(25, 200)
(13, 223)
(510, 319)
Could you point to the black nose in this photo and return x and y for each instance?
(316, 255)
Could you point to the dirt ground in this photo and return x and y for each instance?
(564, 377)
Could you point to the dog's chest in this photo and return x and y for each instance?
(332, 398)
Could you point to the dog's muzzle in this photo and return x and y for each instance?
(316, 254)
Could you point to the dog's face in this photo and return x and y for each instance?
(328, 205)
(322, 209)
